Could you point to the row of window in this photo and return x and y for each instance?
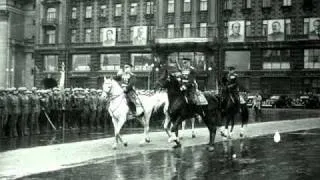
(276, 28)
(187, 4)
(248, 3)
(272, 59)
(149, 8)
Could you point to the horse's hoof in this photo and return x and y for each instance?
(193, 136)
(147, 140)
(114, 146)
(125, 144)
(210, 148)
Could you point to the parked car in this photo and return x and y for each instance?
(277, 101)
(310, 101)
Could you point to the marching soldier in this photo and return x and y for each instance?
(3, 111)
(68, 108)
(56, 108)
(86, 109)
(100, 109)
(35, 111)
(127, 80)
(25, 109)
(15, 110)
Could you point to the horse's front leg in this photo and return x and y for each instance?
(166, 126)
(175, 130)
(192, 126)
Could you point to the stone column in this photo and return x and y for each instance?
(4, 48)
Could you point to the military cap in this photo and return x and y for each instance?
(67, 89)
(99, 91)
(93, 90)
(55, 89)
(28, 92)
(34, 88)
(22, 89)
(128, 64)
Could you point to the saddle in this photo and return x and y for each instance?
(197, 98)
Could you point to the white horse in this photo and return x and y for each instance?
(118, 108)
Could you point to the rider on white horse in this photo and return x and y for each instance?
(127, 80)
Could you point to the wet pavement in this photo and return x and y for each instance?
(297, 156)
(134, 127)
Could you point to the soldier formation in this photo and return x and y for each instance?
(26, 112)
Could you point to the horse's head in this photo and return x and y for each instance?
(111, 87)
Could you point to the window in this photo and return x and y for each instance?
(288, 26)
(239, 59)
(110, 62)
(150, 7)
(187, 6)
(51, 36)
(198, 59)
(265, 28)
(89, 12)
(247, 4)
(142, 62)
(170, 30)
(51, 14)
(151, 30)
(276, 59)
(133, 9)
(103, 10)
(118, 10)
(170, 6)
(51, 63)
(203, 30)
(88, 35)
(74, 13)
(119, 34)
(312, 58)
(203, 5)
(306, 25)
(81, 62)
(248, 28)
(131, 33)
(286, 2)
(226, 29)
(73, 36)
(186, 30)
(228, 4)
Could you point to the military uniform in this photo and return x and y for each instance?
(35, 113)
(189, 85)
(25, 111)
(93, 103)
(3, 112)
(232, 88)
(15, 110)
(127, 82)
(85, 103)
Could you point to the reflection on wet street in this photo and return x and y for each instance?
(297, 156)
(135, 127)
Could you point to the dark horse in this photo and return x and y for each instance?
(180, 109)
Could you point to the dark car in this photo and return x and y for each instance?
(278, 101)
(310, 101)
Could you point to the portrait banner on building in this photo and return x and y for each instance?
(109, 37)
(139, 35)
(276, 30)
(314, 28)
(236, 31)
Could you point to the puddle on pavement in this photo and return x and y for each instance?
(297, 156)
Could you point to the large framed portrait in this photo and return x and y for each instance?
(109, 37)
(314, 28)
(235, 31)
(139, 35)
(276, 30)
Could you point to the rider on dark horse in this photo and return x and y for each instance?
(189, 85)
(231, 89)
(127, 80)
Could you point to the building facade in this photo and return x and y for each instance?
(273, 44)
(17, 32)
(94, 38)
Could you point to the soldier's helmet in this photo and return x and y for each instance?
(15, 90)
(28, 92)
(22, 89)
(33, 88)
